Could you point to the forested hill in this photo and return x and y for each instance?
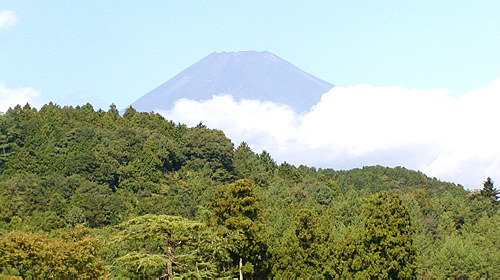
(87, 193)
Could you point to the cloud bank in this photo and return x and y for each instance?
(12, 97)
(8, 19)
(451, 138)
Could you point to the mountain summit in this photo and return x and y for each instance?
(243, 75)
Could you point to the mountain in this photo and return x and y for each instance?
(243, 75)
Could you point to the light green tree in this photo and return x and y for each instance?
(166, 246)
(75, 254)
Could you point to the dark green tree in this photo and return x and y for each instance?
(209, 149)
(267, 161)
(236, 211)
(385, 247)
(304, 251)
(488, 191)
(246, 163)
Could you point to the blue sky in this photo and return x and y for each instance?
(116, 51)
(417, 82)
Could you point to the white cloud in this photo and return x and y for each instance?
(8, 19)
(266, 125)
(451, 138)
(19, 96)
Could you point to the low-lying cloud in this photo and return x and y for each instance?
(10, 98)
(451, 138)
(8, 19)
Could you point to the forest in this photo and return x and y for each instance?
(92, 194)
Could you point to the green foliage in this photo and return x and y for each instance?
(289, 173)
(236, 211)
(30, 255)
(306, 249)
(267, 162)
(488, 191)
(472, 253)
(166, 246)
(246, 163)
(210, 150)
(386, 247)
(187, 193)
(457, 258)
(65, 166)
(6, 148)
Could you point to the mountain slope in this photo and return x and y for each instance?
(243, 75)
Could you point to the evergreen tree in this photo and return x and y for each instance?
(209, 149)
(488, 191)
(386, 247)
(164, 246)
(246, 163)
(236, 212)
(304, 251)
(60, 167)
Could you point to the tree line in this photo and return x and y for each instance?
(90, 194)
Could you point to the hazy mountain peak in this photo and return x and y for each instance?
(257, 75)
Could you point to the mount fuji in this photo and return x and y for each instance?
(243, 75)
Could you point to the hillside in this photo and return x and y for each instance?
(139, 196)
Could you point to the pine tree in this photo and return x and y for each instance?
(166, 246)
(489, 191)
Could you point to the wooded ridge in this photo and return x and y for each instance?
(91, 194)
